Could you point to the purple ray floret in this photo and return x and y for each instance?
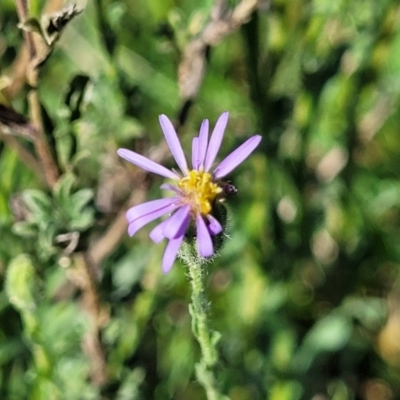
(202, 145)
(146, 164)
(195, 192)
(204, 242)
(216, 140)
(173, 143)
(236, 157)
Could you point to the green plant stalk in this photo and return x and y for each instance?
(206, 337)
(199, 312)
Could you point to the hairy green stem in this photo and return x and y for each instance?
(206, 337)
(199, 311)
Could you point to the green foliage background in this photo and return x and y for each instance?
(306, 292)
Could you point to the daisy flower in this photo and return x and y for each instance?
(195, 190)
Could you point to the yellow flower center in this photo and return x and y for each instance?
(199, 191)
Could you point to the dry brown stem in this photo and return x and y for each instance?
(82, 274)
(42, 148)
(23, 154)
(222, 23)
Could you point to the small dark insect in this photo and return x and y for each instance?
(228, 188)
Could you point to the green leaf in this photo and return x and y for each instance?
(21, 283)
(82, 220)
(371, 312)
(63, 188)
(330, 333)
(25, 229)
(46, 248)
(81, 198)
(37, 202)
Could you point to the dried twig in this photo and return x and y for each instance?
(28, 159)
(22, 10)
(83, 276)
(42, 148)
(222, 23)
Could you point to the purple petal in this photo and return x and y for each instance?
(173, 142)
(236, 157)
(177, 223)
(140, 222)
(171, 251)
(204, 242)
(203, 143)
(173, 188)
(146, 164)
(195, 150)
(215, 141)
(148, 207)
(157, 235)
(214, 226)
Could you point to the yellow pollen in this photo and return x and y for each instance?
(199, 191)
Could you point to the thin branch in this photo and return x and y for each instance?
(222, 23)
(83, 276)
(113, 235)
(23, 154)
(42, 148)
(22, 10)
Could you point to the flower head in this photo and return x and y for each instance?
(195, 192)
